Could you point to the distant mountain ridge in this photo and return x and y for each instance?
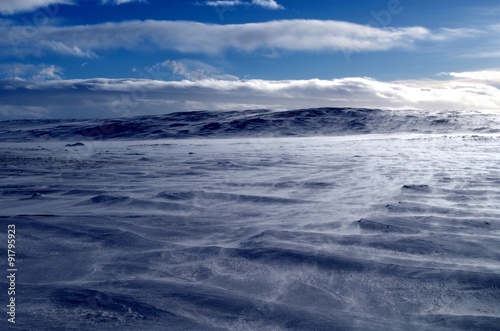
(254, 123)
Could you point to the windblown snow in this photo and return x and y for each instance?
(318, 219)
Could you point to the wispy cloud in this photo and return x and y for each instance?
(10, 7)
(119, 2)
(193, 37)
(36, 112)
(185, 69)
(445, 34)
(223, 3)
(483, 54)
(487, 76)
(268, 4)
(121, 97)
(491, 49)
(60, 48)
(32, 72)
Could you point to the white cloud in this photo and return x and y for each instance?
(60, 48)
(119, 2)
(185, 69)
(39, 72)
(267, 4)
(9, 7)
(178, 68)
(229, 3)
(127, 97)
(485, 76)
(193, 37)
(445, 34)
(49, 73)
(492, 48)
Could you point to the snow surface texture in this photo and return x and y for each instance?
(255, 123)
(355, 232)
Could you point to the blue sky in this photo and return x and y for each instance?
(108, 58)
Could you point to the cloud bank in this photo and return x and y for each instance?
(130, 97)
(200, 38)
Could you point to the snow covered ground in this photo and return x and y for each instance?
(357, 232)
